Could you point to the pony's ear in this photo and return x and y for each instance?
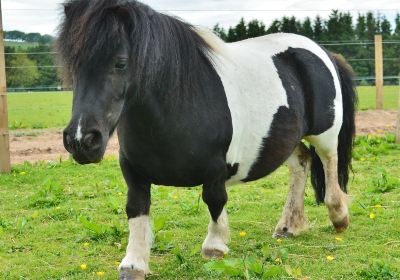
(67, 9)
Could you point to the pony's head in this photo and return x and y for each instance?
(94, 49)
(112, 52)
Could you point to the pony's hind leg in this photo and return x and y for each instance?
(335, 199)
(215, 196)
(293, 220)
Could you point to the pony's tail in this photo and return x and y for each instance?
(346, 135)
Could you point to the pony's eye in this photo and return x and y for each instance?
(121, 64)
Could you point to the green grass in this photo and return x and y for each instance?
(39, 110)
(48, 211)
(53, 109)
(367, 97)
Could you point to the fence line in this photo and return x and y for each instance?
(64, 88)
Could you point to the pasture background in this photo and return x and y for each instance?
(53, 109)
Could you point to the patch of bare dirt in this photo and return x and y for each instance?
(35, 145)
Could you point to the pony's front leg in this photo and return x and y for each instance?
(135, 264)
(215, 196)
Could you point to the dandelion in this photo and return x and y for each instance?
(338, 238)
(86, 244)
(100, 273)
(242, 234)
(35, 215)
(330, 258)
(22, 173)
(378, 206)
(279, 240)
(362, 159)
(278, 260)
(120, 193)
(372, 216)
(117, 263)
(83, 266)
(174, 197)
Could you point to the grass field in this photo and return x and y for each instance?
(45, 110)
(55, 217)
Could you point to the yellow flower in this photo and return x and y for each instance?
(372, 216)
(83, 266)
(362, 159)
(120, 193)
(117, 263)
(330, 258)
(35, 214)
(22, 173)
(279, 240)
(278, 260)
(339, 238)
(242, 234)
(378, 206)
(86, 244)
(100, 273)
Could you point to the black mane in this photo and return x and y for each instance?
(166, 51)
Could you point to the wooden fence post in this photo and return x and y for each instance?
(5, 166)
(379, 72)
(398, 117)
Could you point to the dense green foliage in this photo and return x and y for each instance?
(34, 70)
(60, 220)
(20, 36)
(338, 28)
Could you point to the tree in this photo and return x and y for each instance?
(255, 28)
(241, 30)
(21, 71)
(220, 31)
(274, 27)
(306, 28)
(361, 27)
(318, 29)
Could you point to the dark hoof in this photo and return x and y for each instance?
(282, 233)
(130, 274)
(213, 254)
(343, 225)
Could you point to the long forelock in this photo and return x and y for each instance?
(89, 36)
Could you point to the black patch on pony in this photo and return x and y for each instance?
(310, 92)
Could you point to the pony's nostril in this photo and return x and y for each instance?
(68, 139)
(88, 140)
(92, 140)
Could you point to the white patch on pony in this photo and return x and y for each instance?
(218, 234)
(78, 135)
(138, 250)
(255, 92)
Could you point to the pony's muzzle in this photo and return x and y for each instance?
(86, 147)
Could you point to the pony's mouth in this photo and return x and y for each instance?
(88, 158)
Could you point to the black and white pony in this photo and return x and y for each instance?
(192, 110)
